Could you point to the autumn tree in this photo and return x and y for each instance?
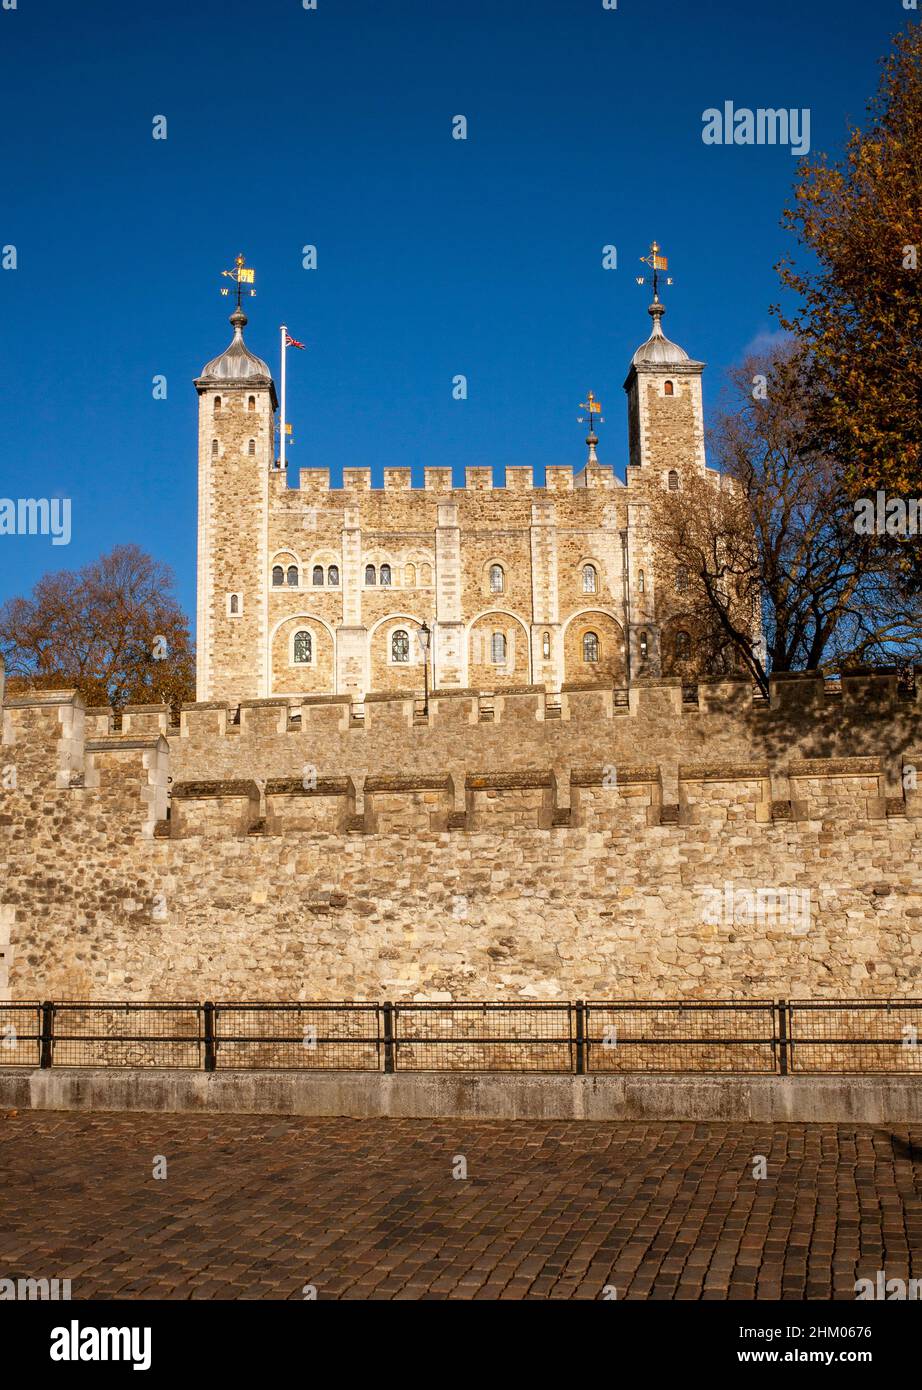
(774, 572)
(859, 221)
(113, 630)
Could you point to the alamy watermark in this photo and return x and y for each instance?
(880, 1287)
(764, 126)
(888, 516)
(36, 516)
(29, 1290)
(770, 906)
(82, 1343)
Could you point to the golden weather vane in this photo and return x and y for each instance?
(593, 408)
(243, 275)
(656, 262)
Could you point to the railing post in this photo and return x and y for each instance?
(387, 1028)
(580, 1011)
(783, 1035)
(208, 1013)
(47, 1033)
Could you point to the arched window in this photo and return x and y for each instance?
(682, 646)
(301, 648)
(333, 576)
(590, 646)
(234, 604)
(498, 648)
(291, 576)
(400, 646)
(546, 645)
(369, 574)
(217, 404)
(385, 575)
(673, 480)
(278, 576)
(640, 581)
(668, 388)
(409, 577)
(251, 403)
(214, 448)
(251, 448)
(643, 642)
(590, 579)
(317, 576)
(425, 574)
(497, 579)
(681, 579)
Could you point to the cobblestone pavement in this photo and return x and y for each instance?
(259, 1207)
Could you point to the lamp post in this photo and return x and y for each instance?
(424, 636)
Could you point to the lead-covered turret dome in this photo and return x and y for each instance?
(236, 366)
(658, 350)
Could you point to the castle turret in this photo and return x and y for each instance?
(237, 404)
(665, 414)
(666, 446)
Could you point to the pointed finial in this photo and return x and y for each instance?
(656, 310)
(592, 407)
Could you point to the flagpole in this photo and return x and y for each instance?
(284, 332)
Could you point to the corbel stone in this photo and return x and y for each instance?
(562, 805)
(457, 790)
(356, 812)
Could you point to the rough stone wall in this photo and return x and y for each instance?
(529, 728)
(670, 421)
(464, 883)
(439, 555)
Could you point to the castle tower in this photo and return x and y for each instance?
(666, 446)
(665, 411)
(236, 451)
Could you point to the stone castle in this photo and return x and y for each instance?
(314, 590)
(567, 817)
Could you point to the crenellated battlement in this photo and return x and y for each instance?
(50, 744)
(507, 846)
(518, 478)
(658, 722)
(841, 699)
(519, 755)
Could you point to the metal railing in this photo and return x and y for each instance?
(687, 1035)
(862, 1035)
(21, 1034)
(760, 1036)
(328, 1037)
(90, 1033)
(484, 1037)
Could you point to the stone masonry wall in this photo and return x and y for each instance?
(525, 728)
(496, 877)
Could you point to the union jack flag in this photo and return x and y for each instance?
(292, 342)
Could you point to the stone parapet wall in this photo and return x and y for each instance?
(738, 867)
(528, 728)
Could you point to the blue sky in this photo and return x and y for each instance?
(332, 127)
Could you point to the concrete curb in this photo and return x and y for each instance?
(501, 1096)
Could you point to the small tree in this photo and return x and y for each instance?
(112, 630)
(776, 571)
